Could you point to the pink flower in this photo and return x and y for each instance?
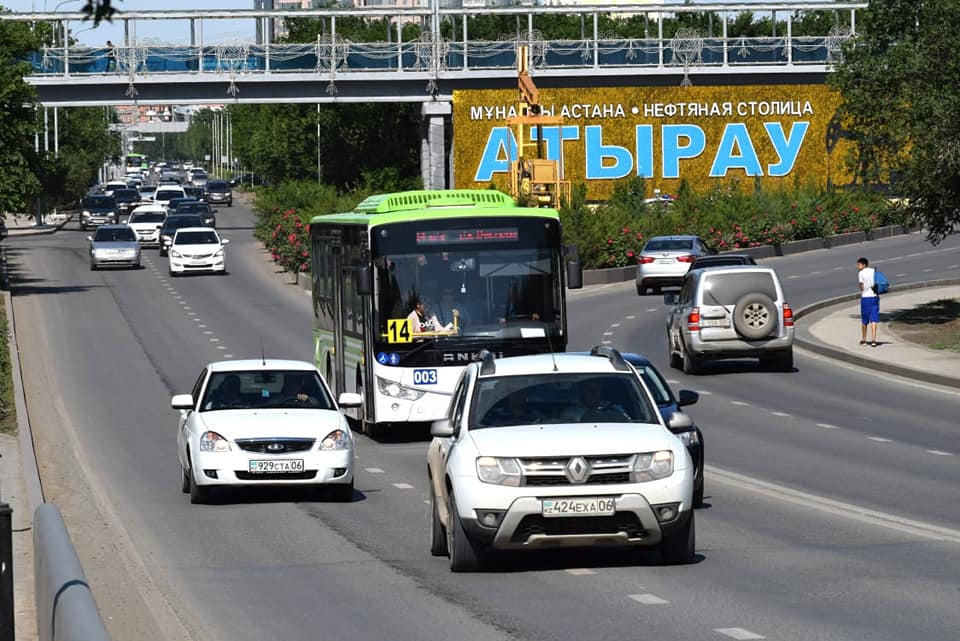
(609, 241)
(292, 238)
(629, 254)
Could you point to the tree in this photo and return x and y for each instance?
(900, 81)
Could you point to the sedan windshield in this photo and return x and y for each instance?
(114, 235)
(560, 398)
(147, 217)
(176, 222)
(196, 238)
(167, 194)
(274, 389)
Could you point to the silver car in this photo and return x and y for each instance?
(114, 246)
(730, 312)
(665, 260)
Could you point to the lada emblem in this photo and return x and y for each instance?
(276, 447)
(577, 470)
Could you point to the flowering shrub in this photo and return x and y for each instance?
(289, 240)
(622, 248)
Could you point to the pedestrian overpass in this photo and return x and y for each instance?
(441, 58)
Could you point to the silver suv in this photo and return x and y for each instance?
(730, 312)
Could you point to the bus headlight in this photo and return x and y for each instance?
(396, 390)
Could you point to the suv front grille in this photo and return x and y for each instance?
(604, 470)
(558, 526)
(279, 445)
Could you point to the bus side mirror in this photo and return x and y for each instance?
(365, 281)
(574, 274)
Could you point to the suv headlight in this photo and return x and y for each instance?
(396, 390)
(213, 442)
(499, 471)
(651, 466)
(689, 438)
(335, 440)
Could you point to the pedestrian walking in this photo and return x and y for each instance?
(869, 302)
(111, 57)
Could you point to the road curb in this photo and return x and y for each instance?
(39, 230)
(890, 368)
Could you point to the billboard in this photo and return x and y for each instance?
(779, 135)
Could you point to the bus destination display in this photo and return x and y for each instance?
(464, 236)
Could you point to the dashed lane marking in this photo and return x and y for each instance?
(615, 325)
(374, 470)
(879, 439)
(939, 453)
(608, 333)
(653, 309)
(403, 486)
(205, 331)
(631, 317)
(202, 326)
(648, 599)
(739, 633)
(213, 339)
(827, 426)
(580, 571)
(780, 414)
(221, 347)
(704, 392)
(740, 403)
(898, 275)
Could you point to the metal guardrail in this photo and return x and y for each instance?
(66, 610)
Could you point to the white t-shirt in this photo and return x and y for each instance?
(866, 279)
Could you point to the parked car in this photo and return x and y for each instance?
(264, 422)
(557, 450)
(146, 221)
(171, 224)
(730, 312)
(97, 210)
(722, 260)
(668, 404)
(197, 249)
(114, 246)
(665, 260)
(219, 193)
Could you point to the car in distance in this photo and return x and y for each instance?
(126, 200)
(557, 450)
(171, 224)
(722, 260)
(730, 312)
(166, 193)
(198, 177)
(97, 210)
(204, 210)
(197, 249)
(219, 193)
(114, 246)
(146, 221)
(193, 191)
(264, 422)
(664, 261)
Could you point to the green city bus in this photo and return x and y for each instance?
(137, 161)
(503, 267)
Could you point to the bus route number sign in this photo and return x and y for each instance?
(398, 330)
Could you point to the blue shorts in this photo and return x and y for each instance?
(870, 309)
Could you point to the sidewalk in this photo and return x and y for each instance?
(833, 329)
(27, 225)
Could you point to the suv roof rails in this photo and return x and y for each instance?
(612, 355)
(488, 364)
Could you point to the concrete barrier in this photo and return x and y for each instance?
(66, 610)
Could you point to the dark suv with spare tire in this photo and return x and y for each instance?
(730, 312)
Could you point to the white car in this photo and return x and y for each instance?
(264, 422)
(165, 193)
(557, 450)
(109, 188)
(197, 249)
(146, 221)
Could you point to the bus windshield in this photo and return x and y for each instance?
(490, 281)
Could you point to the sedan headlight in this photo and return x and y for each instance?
(396, 390)
(175, 254)
(85, 214)
(213, 442)
(689, 438)
(335, 440)
(651, 466)
(219, 254)
(499, 471)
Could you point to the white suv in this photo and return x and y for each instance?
(730, 312)
(557, 450)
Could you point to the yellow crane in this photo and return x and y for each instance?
(532, 176)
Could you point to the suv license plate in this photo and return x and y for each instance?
(714, 322)
(586, 506)
(265, 467)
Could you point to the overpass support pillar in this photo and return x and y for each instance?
(433, 147)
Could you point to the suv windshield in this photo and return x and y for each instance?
(99, 202)
(560, 398)
(273, 389)
(218, 186)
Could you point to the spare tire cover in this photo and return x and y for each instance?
(755, 316)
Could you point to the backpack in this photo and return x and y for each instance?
(880, 283)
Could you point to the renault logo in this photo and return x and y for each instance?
(276, 447)
(577, 470)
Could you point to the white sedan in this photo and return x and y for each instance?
(264, 422)
(146, 221)
(197, 249)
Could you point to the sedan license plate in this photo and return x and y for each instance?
(664, 261)
(714, 322)
(586, 506)
(266, 467)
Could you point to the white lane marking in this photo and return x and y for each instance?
(631, 316)
(827, 426)
(927, 270)
(403, 486)
(703, 392)
(648, 599)
(939, 453)
(673, 381)
(196, 320)
(188, 308)
(836, 269)
(952, 266)
(214, 339)
(202, 326)
(205, 331)
(878, 439)
(653, 309)
(740, 403)
(739, 633)
(898, 275)
(191, 313)
(779, 413)
(374, 470)
(615, 325)
(607, 342)
(608, 333)
(228, 355)
(580, 571)
(794, 276)
(839, 509)
(221, 347)
(814, 273)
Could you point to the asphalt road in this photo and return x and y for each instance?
(832, 493)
